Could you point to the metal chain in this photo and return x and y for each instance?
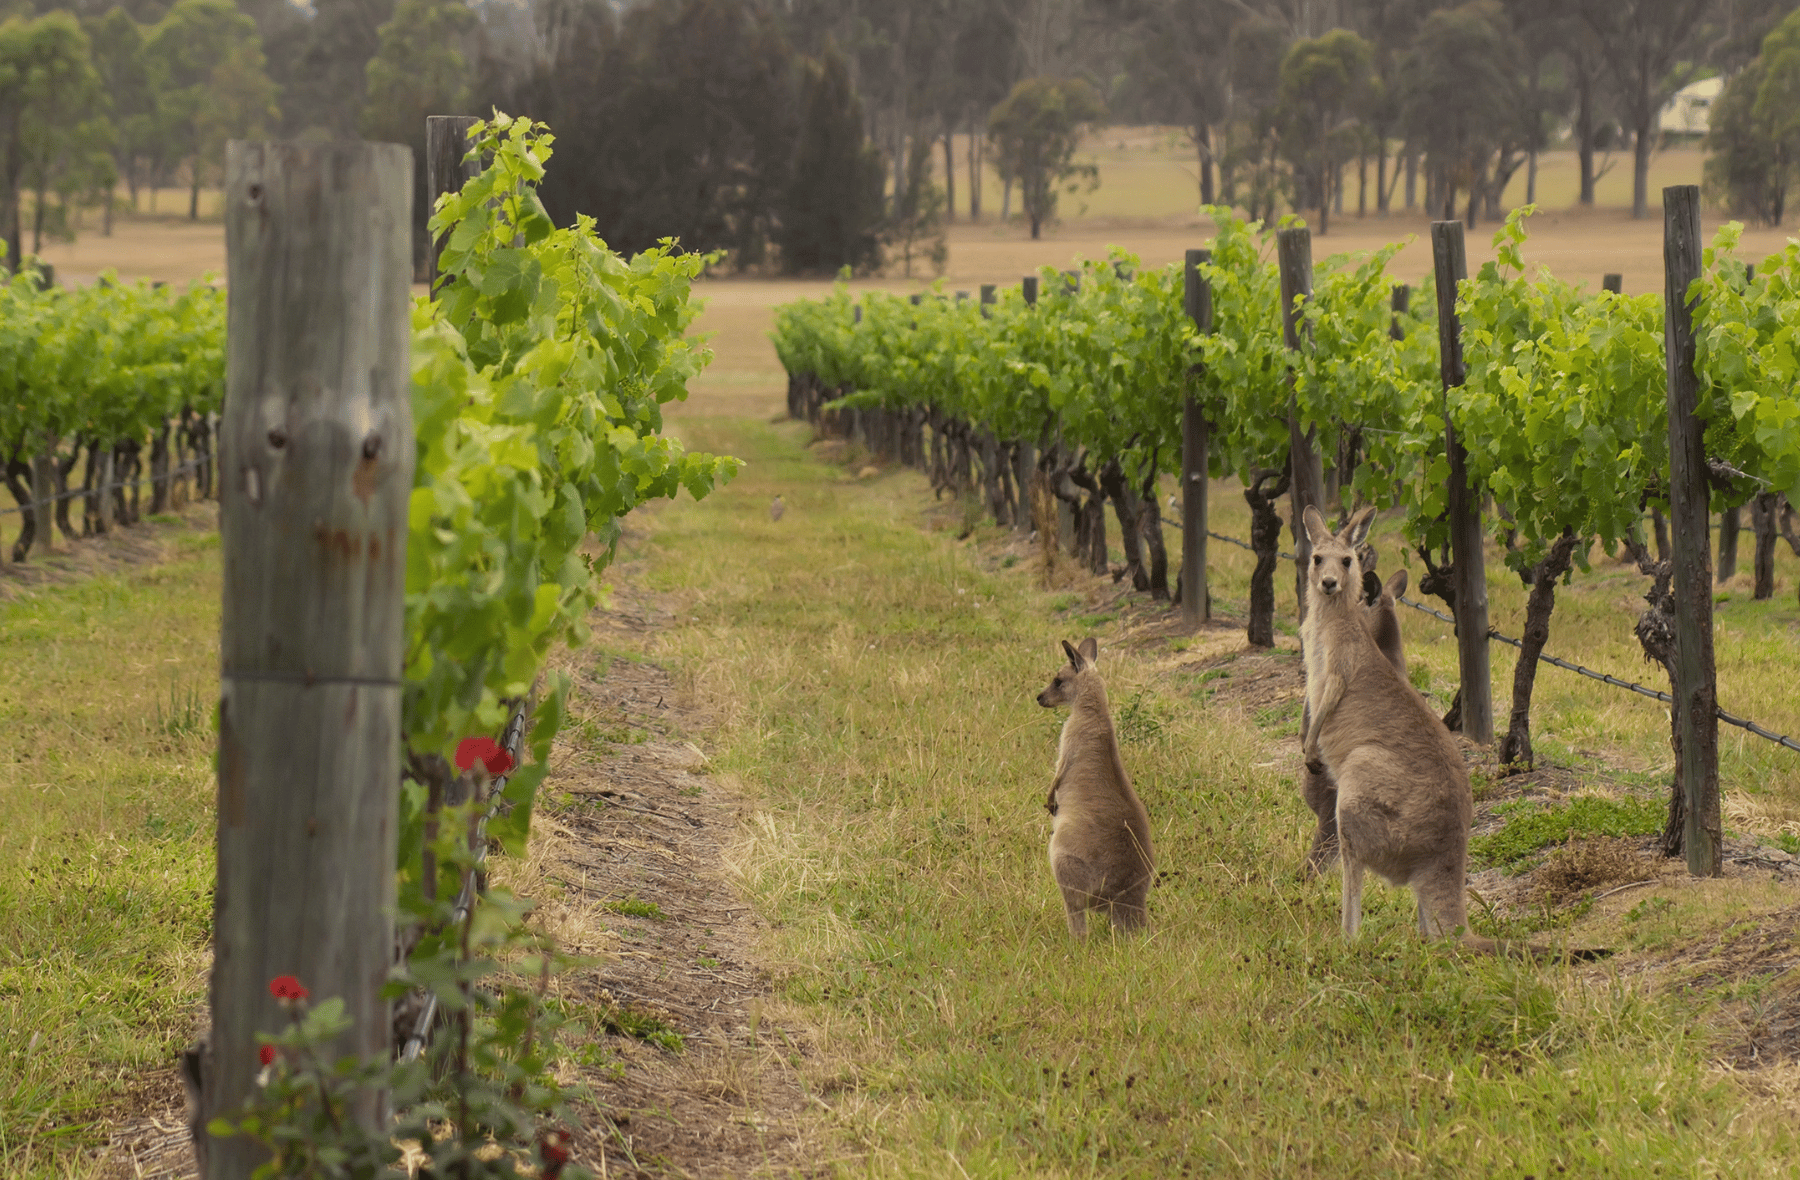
(1602, 677)
(510, 741)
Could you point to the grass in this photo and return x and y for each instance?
(106, 854)
(1530, 828)
(875, 683)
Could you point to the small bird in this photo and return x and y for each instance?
(776, 509)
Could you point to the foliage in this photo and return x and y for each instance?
(1531, 829)
(206, 62)
(539, 377)
(1035, 130)
(1754, 141)
(1564, 408)
(832, 213)
(108, 362)
(1323, 83)
(916, 225)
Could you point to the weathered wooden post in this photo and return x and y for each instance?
(1294, 256)
(1196, 603)
(1469, 569)
(989, 292)
(446, 143)
(43, 499)
(1398, 304)
(1695, 690)
(316, 467)
(1028, 287)
(1613, 282)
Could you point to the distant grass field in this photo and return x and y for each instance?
(875, 681)
(109, 688)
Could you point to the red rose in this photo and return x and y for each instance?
(266, 1055)
(553, 1149)
(484, 750)
(287, 987)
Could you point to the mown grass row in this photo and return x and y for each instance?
(876, 684)
(108, 689)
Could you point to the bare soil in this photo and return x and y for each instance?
(632, 819)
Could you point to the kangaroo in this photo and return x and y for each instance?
(1403, 802)
(1316, 788)
(1099, 831)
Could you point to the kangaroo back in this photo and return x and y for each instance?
(1100, 849)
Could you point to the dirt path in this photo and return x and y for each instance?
(628, 858)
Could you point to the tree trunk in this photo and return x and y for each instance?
(159, 468)
(1125, 507)
(1150, 524)
(60, 467)
(1090, 528)
(1642, 140)
(1584, 131)
(18, 477)
(974, 171)
(1412, 180)
(1203, 145)
(1265, 541)
(1515, 747)
(949, 176)
(1763, 524)
(194, 193)
(99, 474)
(1730, 521)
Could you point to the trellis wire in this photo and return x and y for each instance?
(1602, 677)
(510, 741)
(190, 465)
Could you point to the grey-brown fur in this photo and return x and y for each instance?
(1316, 787)
(1099, 831)
(1403, 803)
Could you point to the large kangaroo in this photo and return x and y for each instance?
(1099, 831)
(1403, 803)
(1316, 787)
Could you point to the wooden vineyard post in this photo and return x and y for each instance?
(43, 500)
(1695, 690)
(1294, 255)
(1469, 569)
(1613, 282)
(1028, 287)
(446, 143)
(316, 465)
(1196, 602)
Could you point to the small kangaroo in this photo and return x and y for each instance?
(1403, 802)
(1099, 831)
(1316, 787)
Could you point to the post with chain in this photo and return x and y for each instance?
(316, 465)
(1196, 602)
(1469, 563)
(1307, 489)
(1695, 689)
(446, 170)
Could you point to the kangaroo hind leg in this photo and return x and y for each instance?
(1353, 883)
(1077, 882)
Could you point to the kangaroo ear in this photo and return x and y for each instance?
(1315, 526)
(1357, 531)
(1371, 587)
(1090, 650)
(1396, 585)
(1074, 656)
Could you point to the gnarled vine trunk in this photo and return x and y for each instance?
(1264, 489)
(1515, 747)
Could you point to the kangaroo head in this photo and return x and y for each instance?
(1068, 678)
(1336, 564)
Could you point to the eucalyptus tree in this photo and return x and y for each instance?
(1648, 47)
